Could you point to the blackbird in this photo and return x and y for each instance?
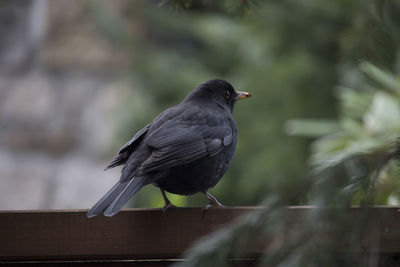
(185, 150)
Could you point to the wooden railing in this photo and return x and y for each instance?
(136, 236)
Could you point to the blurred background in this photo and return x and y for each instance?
(79, 78)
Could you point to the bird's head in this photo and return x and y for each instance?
(217, 91)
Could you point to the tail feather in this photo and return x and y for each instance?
(115, 196)
(130, 189)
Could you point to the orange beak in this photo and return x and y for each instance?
(242, 95)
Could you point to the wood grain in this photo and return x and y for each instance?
(135, 234)
(131, 234)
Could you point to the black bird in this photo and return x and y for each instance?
(185, 150)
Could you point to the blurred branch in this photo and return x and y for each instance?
(384, 79)
(239, 7)
(311, 128)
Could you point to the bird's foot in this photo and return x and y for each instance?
(167, 206)
(206, 207)
(214, 203)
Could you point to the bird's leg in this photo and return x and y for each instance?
(168, 203)
(213, 202)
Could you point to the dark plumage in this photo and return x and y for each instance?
(185, 150)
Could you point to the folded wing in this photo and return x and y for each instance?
(177, 143)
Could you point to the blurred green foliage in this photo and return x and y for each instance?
(291, 55)
(288, 54)
(355, 162)
(365, 137)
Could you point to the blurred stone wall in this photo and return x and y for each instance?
(58, 89)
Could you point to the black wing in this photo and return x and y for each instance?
(179, 142)
(125, 151)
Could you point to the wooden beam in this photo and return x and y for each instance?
(131, 234)
(135, 234)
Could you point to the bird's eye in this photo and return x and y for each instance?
(227, 94)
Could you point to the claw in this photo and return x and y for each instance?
(167, 206)
(214, 203)
(206, 207)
